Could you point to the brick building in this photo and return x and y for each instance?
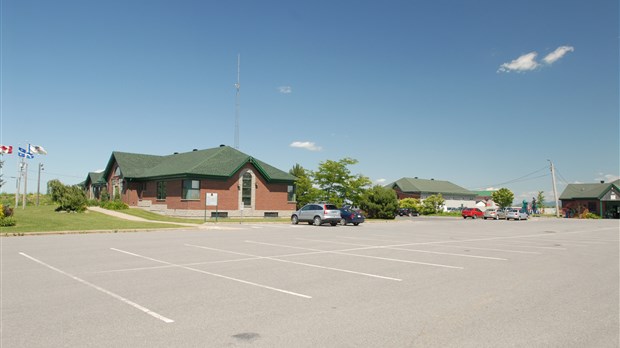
(178, 184)
(602, 199)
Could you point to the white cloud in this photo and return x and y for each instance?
(607, 177)
(557, 54)
(308, 145)
(380, 181)
(526, 62)
(285, 89)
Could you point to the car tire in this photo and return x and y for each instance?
(294, 220)
(317, 221)
(474, 217)
(343, 222)
(356, 224)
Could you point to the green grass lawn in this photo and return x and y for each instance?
(44, 219)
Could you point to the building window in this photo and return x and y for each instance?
(191, 189)
(246, 189)
(290, 193)
(161, 190)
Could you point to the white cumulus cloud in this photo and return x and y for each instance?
(557, 54)
(380, 181)
(527, 62)
(285, 89)
(308, 145)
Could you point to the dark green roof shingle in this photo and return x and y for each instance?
(430, 186)
(583, 191)
(220, 162)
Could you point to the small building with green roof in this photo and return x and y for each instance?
(93, 185)
(179, 184)
(602, 199)
(455, 196)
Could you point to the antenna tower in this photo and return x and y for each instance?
(237, 86)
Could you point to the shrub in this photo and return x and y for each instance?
(379, 203)
(7, 211)
(588, 215)
(7, 221)
(114, 205)
(93, 203)
(68, 198)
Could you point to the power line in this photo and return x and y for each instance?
(520, 179)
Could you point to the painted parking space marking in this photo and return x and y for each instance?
(423, 251)
(345, 252)
(296, 263)
(490, 249)
(98, 288)
(213, 274)
(530, 246)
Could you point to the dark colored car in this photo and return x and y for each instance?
(473, 213)
(407, 212)
(349, 216)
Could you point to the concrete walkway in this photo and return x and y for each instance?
(121, 215)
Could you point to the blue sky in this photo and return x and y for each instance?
(479, 93)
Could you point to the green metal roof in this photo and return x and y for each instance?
(411, 185)
(220, 162)
(583, 191)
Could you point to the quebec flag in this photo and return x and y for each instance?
(26, 154)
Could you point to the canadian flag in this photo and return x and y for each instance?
(6, 149)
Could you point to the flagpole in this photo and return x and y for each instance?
(19, 179)
(25, 186)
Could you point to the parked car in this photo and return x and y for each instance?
(516, 214)
(501, 213)
(490, 214)
(407, 212)
(350, 216)
(473, 213)
(317, 214)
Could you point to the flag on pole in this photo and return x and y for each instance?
(6, 149)
(37, 149)
(26, 154)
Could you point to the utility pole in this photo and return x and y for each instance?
(39, 182)
(555, 190)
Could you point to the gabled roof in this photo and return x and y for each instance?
(583, 191)
(414, 185)
(95, 178)
(220, 162)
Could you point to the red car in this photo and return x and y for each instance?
(473, 213)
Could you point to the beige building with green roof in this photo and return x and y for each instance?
(181, 184)
(455, 196)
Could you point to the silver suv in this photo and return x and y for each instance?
(317, 214)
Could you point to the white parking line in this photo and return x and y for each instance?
(490, 249)
(416, 250)
(530, 246)
(296, 263)
(107, 292)
(342, 252)
(213, 274)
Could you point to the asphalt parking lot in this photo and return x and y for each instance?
(411, 283)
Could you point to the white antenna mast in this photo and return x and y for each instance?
(237, 86)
